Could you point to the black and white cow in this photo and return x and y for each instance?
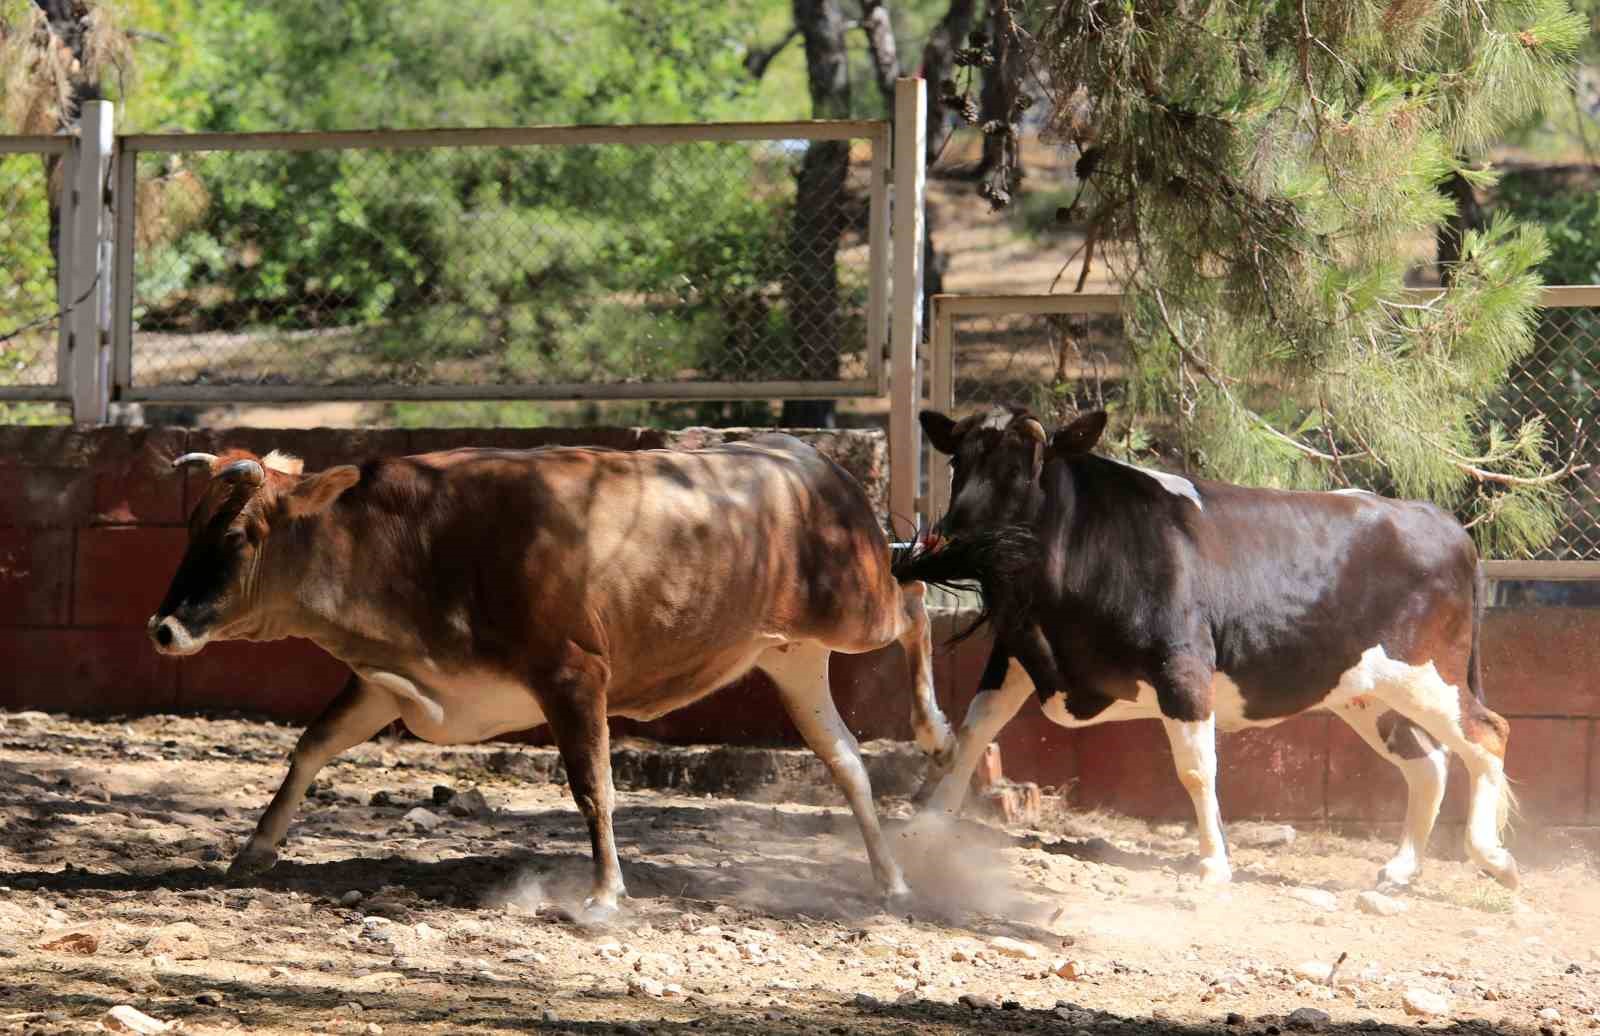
(1203, 604)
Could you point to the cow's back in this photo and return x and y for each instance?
(1300, 584)
(672, 566)
(1281, 591)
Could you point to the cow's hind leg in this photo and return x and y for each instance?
(575, 705)
(1455, 717)
(1425, 765)
(359, 711)
(991, 710)
(928, 723)
(801, 672)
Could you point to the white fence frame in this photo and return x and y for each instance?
(59, 390)
(96, 267)
(874, 384)
(949, 308)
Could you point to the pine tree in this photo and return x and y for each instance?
(1265, 173)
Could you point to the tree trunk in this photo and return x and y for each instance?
(812, 282)
(879, 28)
(1468, 216)
(937, 66)
(1002, 85)
(69, 24)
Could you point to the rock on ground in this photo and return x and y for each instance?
(1009, 947)
(181, 941)
(1306, 1019)
(123, 1018)
(1261, 836)
(1380, 904)
(1422, 1003)
(1319, 898)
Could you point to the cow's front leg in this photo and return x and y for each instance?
(928, 723)
(1184, 696)
(801, 673)
(359, 711)
(575, 705)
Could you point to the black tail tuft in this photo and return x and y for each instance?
(999, 563)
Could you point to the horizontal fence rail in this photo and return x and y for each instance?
(723, 261)
(1058, 354)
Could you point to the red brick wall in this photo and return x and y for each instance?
(91, 529)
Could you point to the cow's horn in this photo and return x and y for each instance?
(248, 470)
(207, 459)
(1032, 428)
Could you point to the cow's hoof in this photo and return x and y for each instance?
(1215, 872)
(1505, 871)
(1396, 876)
(251, 862)
(930, 784)
(598, 909)
(896, 896)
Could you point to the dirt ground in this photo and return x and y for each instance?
(745, 917)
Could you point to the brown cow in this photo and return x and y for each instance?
(480, 591)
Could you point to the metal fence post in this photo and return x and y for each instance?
(905, 380)
(88, 277)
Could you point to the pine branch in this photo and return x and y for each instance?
(759, 58)
(53, 317)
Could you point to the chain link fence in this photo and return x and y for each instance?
(630, 262)
(29, 302)
(1061, 354)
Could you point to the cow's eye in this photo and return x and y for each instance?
(234, 537)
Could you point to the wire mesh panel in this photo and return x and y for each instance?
(1059, 354)
(1055, 364)
(29, 306)
(691, 268)
(1560, 381)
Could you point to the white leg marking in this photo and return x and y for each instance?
(989, 711)
(1420, 694)
(1194, 752)
(1425, 783)
(801, 673)
(1142, 707)
(928, 723)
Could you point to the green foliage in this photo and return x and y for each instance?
(570, 264)
(1273, 167)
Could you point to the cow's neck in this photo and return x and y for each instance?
(322, 588)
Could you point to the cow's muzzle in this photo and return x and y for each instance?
(172, 637)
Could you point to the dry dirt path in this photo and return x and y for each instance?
(745, 918)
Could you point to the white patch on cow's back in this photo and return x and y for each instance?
(1354, 492)
(1177, 485)
(287, 463)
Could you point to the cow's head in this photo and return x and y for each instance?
(215, 592)
(995, 463)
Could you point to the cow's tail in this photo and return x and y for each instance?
(998, 563)
(1508, 809)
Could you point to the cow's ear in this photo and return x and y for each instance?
(315, 493)
(940, 430)
(1079, 436)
